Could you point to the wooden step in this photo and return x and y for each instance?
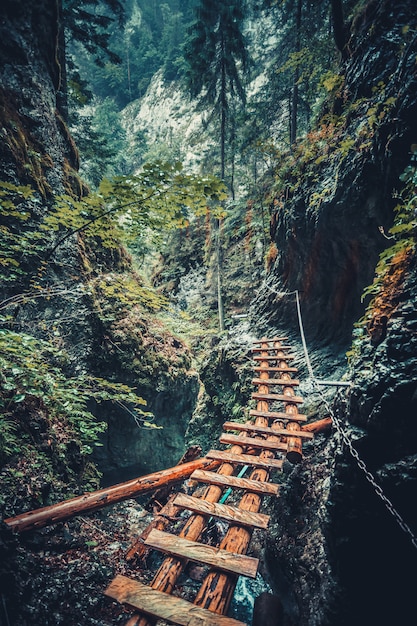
(263, 430)
(164, 606)
(253, 443)
(275, 397)
(276, 381)
(285, 357)
(279, 415)
(288, 370)
(276, 348)
(272, 340)
(254, 486)
(209, 555)
(244, 459)
(222, 511)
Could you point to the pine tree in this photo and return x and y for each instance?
(216, 58)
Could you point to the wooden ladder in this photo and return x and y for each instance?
(252, 445)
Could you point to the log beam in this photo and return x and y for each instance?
(95, 500)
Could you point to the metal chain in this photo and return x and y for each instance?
(344, 436)
(368, 475)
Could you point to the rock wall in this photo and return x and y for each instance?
(101, 335)
(339, 556)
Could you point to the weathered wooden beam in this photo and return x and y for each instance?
(163, 606)
(217, 589)
(270, 348)
(278, 415)
(275, 381)
(261, 430)
(138, 550)
(275, 397)
(267, 368)
(318, 426)
(222, 511)
(202, 553)
(245, 459)
(254, 443)
(98, 499)
(270, 340)
(171, 568)
(255, 486)
(285, 357)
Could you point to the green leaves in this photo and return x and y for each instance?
(130, 208)
(33, 369)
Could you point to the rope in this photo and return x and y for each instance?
(229, 489)
(342, 433)
(303, 338)
(324, 383)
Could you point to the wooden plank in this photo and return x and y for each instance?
(164, 606)
(285, 357)
(264, 431)
(222, 511)
(138, 550)
(201, 553)
(244, 459)
(276, 369)
(272, 340)
(254, 486)
(276, 381)
(171, 568)
(275, 397)
(270, 348)
(103, 497)
(279, 415)
(254, 443)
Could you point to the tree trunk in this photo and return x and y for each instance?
(219, 255)
(98, 499)
(296, 77)
(219, 260)
(62, 87)
(338, 23)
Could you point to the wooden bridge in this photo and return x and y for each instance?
(271, 433)
(276, 429)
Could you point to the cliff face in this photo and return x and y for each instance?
(76, 295)
(338, 187)
(340, 556)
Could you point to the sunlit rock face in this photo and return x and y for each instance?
(326, 224)
(340, 555)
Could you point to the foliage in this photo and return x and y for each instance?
(120, 292)
(91, 28)
(149, 40)
(216, 57)
(34, 371)
(393, 261)
(137, 209)
(102, 142)
(19, 245)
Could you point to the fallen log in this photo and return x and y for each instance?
(138, 549)
(88, 502)
(318, 426)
